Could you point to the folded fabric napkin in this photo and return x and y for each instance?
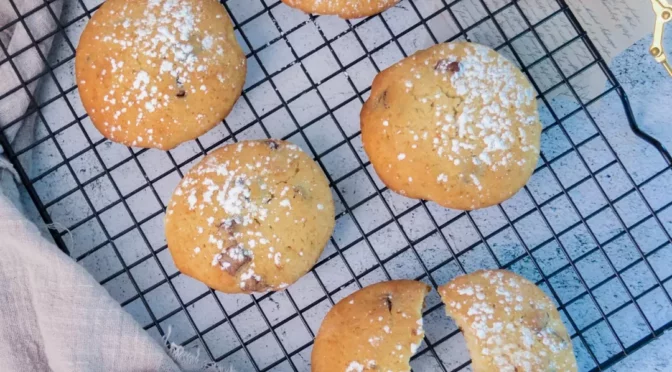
(53, 315)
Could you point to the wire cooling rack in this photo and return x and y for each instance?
(592, 227)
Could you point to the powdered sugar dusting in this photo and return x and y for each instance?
(469, 121)
(167, 52)
(513, 328)
(234, 199)
(488, 90)
(473, 111)
(354, 367)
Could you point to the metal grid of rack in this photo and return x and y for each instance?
(308, 77)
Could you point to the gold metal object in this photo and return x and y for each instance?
(663, 12)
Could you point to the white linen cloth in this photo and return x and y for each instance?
(53, 315)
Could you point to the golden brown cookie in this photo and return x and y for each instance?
(509, 323)
(250, 217)
(377, 328)
(456, 124)
(158, 73)
(342, 8)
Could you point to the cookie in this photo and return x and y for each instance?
(250, 217)
(377, 328)
(343, 8)
(509, 323)
(156, 73)
(456, 124)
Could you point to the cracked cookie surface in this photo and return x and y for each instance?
(377, 328)
(250, 217)
(456, 124)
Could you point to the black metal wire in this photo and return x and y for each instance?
(381, 264)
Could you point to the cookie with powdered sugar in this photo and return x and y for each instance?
(377, 328)
(343, 8)
(156, 73)
(250, 217)
(509, 323)
(456, 124)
